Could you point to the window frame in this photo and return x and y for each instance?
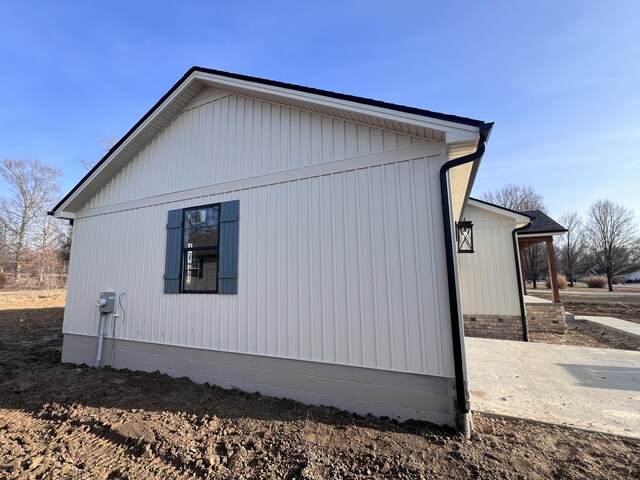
(184, 249)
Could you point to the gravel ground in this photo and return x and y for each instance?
(64, 421)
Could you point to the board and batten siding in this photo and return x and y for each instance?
(488, 282)
(345, 268)
(222, 137)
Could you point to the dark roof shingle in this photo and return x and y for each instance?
(541, 223)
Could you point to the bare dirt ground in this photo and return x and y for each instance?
(587, 334)
(64, 421)
(622, 303)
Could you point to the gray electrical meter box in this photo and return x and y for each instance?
(106, 302)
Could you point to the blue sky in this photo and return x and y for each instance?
(561, 79)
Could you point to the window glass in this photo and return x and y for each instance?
(201, 227)
(200, 270)
(200, 249)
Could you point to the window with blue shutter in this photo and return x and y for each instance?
(202, 249)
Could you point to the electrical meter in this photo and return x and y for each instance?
(106, 302)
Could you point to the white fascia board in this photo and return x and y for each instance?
(134, 134)
(455, 131)
(541, 234)
(64, 215)
(518, 217)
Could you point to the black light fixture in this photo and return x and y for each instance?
(464, 236)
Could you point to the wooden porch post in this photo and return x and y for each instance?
(523, 270)
(553, 273)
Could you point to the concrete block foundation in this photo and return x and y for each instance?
(398, 395)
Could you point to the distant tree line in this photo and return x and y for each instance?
(34, 247)
(604, 241)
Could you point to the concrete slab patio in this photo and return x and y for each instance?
(592, 388)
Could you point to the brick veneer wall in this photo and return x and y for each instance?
(503, 327)
(546, 317)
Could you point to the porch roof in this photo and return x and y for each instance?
(541, 225)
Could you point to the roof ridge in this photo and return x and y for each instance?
(343, 96)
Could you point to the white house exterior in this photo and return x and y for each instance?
(492, 300)
(324, 239)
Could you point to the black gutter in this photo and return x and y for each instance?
(516, 254)
(462, 392)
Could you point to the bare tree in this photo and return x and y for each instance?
(86, 163)
(523, 198)
(516, 197)
(571, 251)
(47, 244)
(107, 144)
(32, 187)
(4, 243)
(612, 234)
(535, 261)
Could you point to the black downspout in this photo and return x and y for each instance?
(516, 254)
(462, 415)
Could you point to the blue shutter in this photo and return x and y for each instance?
(173, 252)
(228, 248)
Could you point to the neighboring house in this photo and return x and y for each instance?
(281, 239)
(632, 277)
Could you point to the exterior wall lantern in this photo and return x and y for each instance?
(464, 236)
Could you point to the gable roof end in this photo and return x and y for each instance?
(455, 128)
(519, 217)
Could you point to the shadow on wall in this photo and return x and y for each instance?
(605, 376)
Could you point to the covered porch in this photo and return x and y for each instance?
(542, 315)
